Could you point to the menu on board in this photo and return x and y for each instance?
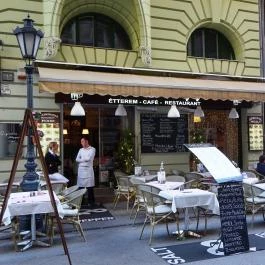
(160, 134)
(255, 133)
(234, 233)
(48, 127)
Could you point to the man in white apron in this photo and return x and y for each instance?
(85, 177)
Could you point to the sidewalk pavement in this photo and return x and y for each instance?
(116, 242)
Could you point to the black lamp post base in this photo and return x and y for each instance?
(30, 185)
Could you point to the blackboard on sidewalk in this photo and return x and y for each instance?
(234, 233)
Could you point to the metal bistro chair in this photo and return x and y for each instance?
(156, 210)
(124, 189)
(253, 201)
(138, 204)
(71, 210)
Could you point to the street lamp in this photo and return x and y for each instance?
(29, 40)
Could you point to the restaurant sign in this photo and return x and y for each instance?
(141, 101)
(153, 101)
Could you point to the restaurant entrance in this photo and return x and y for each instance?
(103, 129)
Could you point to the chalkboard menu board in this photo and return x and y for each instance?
(160, 134)
(234, 232)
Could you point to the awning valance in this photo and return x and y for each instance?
(102, 83)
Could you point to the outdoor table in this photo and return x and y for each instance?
(143, 178)
(191, 198)
(168, 185)
(30, 203)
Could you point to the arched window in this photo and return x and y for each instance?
(210, 43)
(95, 30)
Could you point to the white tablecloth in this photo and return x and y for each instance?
(191, 198)
(144, 178)
(250, 180)
(168, 185)
(21, 203)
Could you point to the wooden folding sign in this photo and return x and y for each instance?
(29, 122)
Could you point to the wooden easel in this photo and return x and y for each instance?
(29, 122)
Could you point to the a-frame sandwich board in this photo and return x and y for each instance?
(29, 123)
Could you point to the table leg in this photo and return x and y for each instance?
(182, 234)
(33, 240)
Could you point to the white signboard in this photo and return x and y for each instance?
(220, 167)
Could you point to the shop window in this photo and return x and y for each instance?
(95, 30)
(209, 43)
(9, 136)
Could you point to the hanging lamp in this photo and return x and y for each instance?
(233, 114)
(173, 112)
(77, 110)
(85, 131)
(120, 111)
(199, 112)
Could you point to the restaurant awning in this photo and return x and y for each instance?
(104, 83)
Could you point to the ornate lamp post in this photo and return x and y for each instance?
(29, 40)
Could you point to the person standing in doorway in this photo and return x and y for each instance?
(85, 176)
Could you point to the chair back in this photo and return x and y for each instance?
(250, 174)
(258, 175)
(123, 182)
(175, 178)
(57, 186)
(178, 172)
(149, 188)
(3, 188)
(247, 190)
(135, 181)
(69, 190)
(194, 178)
(151, 200)
(75, 198)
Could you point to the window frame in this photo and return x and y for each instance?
(114, 29)
(201, 41)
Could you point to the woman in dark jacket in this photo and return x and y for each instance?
(52, 159)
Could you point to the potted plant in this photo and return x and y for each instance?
(125, 153)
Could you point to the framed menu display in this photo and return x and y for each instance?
(48, 127)
(255, 133)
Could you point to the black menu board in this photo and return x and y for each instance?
(234, 231)
(160, 134)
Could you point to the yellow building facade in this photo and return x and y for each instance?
(159, 64)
